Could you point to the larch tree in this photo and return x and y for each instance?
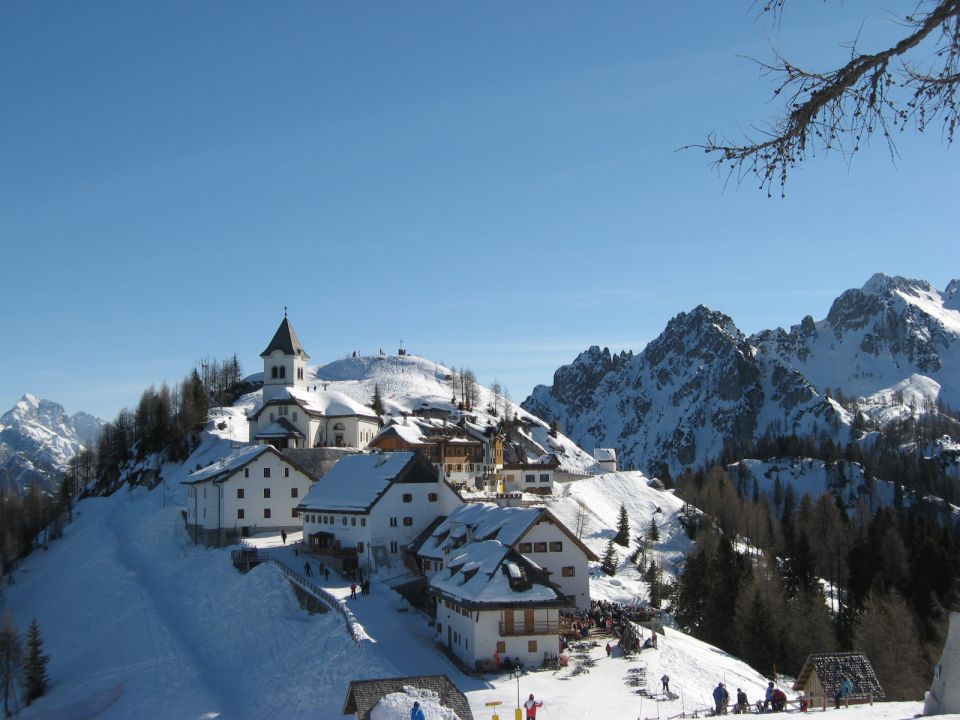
(913, 82)
(11, 664)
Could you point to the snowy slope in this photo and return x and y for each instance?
(38, 439)
(141, 623)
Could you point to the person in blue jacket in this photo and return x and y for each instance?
(846, 687)
(719, 698)
(416, 713)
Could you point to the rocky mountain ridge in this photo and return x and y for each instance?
(38, 439)
(703, 387)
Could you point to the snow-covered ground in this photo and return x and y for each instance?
(139, 622)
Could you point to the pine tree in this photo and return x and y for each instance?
(35, 666)
(377, 402)
(653, 532)
(623, 528)
(609, 563)
(11, 657)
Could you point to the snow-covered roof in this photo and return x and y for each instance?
(605, 454)
(392, 698)
(329, 402)
(282, 428)
(356, 482)
(489, 572)
(229, 464)
(480, 521)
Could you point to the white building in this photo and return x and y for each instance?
(531, 477)
(298, 415)
(533, 532)
(492, 603)
(944, 694)
(369, 507)
(606, 458)
(254, 489)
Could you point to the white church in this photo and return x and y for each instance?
(296, 414)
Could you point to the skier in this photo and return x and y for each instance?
(531, 705)
(665, 681)
(718, 695)
(416, 712)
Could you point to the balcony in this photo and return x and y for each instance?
(537, 627)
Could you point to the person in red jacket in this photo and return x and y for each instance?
(531, 705)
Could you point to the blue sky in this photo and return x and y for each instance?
(497, 183)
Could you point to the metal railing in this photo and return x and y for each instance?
(321, 594)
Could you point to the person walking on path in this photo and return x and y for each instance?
(365, 586)
(665, 681)
(531, 705)
(306, 568)
(353, 591)
(416, 712)
(283, 535)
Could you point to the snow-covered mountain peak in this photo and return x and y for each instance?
(951, 295)
(882, 284)
(38, 439)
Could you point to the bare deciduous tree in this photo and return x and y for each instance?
(913, 82)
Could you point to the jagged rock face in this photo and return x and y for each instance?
(696, 387)
(876, 336)
(702, 384)
(37, 441)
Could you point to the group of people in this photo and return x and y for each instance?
(308, 570)
(774, 699)
(607, 616)
(364, 588)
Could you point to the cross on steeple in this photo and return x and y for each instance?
(284, 311)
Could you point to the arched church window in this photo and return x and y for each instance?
(339, 426)
(283, 371)
(273, 372)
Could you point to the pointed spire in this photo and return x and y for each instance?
(285, 340)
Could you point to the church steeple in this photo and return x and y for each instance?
(284, 362)
(285, 340)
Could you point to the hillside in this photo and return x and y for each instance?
(157, 627)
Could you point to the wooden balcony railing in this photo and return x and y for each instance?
(537, 627)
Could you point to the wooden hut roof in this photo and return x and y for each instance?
(831, 668)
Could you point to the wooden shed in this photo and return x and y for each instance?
(825, 672)
(363, 695)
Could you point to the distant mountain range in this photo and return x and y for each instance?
(38, 439)
(703, 385)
